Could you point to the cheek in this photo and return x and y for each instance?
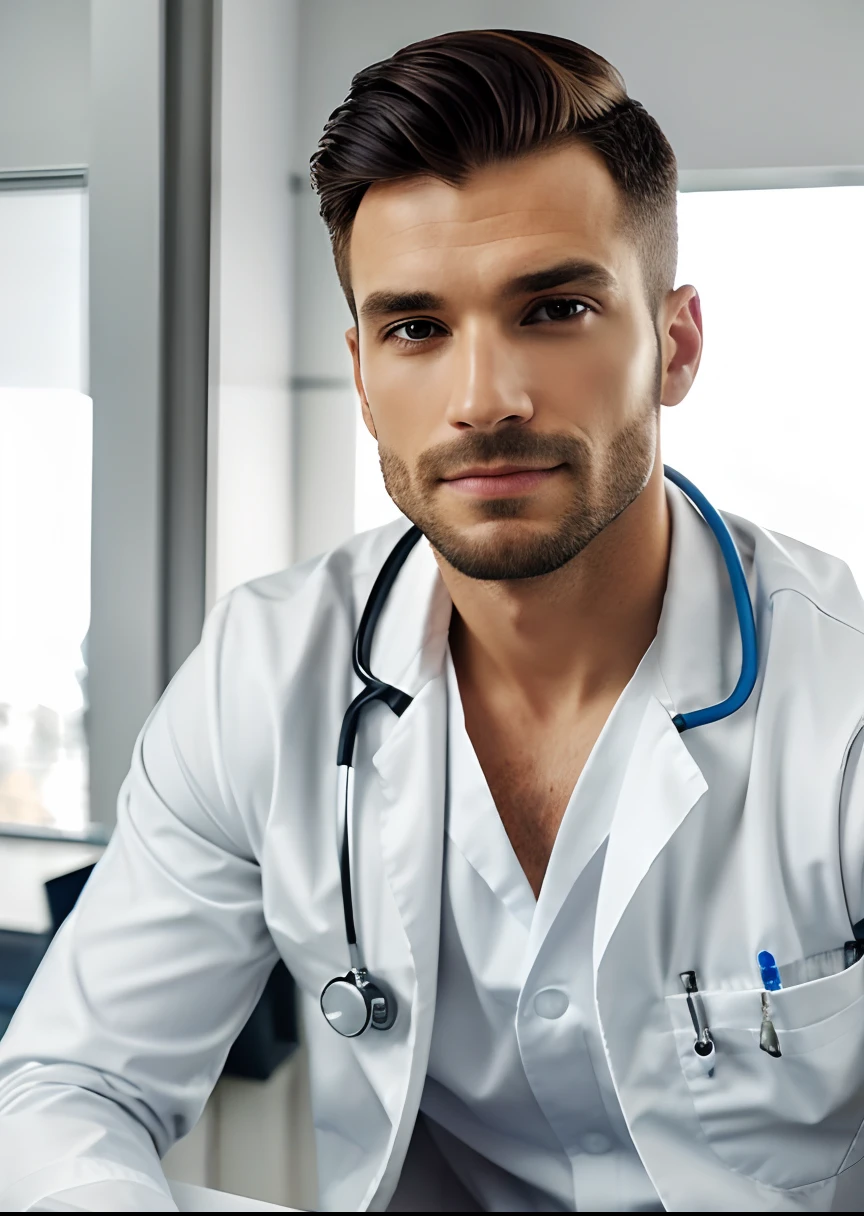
(618, 371)
(407, 398)
(592, 381)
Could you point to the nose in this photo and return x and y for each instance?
(487, 387)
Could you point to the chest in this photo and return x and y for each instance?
(531, 769)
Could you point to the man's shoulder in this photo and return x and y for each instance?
(343, 572)
(783, 564)
(284, 639)
(322, 594)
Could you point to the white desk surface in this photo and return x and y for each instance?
(191, 1198)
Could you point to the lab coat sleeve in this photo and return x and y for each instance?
(125, 1027)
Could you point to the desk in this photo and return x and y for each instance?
(202, 1199)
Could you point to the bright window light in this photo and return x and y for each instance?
(45, 491)
(773, 427)
(373, 506)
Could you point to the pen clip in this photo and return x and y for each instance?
(853, 952)
(704, 1044)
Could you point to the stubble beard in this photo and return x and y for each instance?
(601, 489)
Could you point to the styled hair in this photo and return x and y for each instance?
(452, 104)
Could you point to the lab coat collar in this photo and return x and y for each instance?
(408, 651)
(694, 661)
(661, 785)
(698, 640)
(697, 653)
(410, 640)
(640, 780)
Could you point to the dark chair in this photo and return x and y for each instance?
(20, 955)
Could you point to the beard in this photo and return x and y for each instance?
(601, 488)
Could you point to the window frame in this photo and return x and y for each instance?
(148, 186)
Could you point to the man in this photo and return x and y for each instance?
(546, 859)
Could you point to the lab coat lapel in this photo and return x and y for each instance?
(411, 763)
(411, 767)
(698, 661)
(404, 787)
(411, 770)
(661, 785)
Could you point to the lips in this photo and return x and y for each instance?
(503, 470)
(502, 482)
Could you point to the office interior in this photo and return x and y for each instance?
(177, 413)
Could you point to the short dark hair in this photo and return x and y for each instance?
(454, 103)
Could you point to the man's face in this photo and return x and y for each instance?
(503, 325)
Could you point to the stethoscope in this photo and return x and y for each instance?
(353, 1001)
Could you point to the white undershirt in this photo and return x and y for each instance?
(518, 1095)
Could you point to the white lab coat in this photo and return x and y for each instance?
(726, 840)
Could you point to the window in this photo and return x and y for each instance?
(45, 489)
(773, 427)
(373, 506)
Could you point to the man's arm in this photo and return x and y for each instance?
(125, 1027)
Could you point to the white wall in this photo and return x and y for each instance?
(738, 83)
(249, 499)
(44, 83)
(735, 85)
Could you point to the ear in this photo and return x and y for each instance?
(680, 343)
(351, 337)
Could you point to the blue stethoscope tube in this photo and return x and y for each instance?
(352, 1002)
(743, 607)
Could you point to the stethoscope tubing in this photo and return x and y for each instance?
(743, 607)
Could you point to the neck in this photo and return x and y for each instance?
(577, 635)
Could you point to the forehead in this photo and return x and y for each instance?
(420, 232)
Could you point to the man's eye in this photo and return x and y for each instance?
(556, 310)
(414, 331)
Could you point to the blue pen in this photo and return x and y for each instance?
(771, 982)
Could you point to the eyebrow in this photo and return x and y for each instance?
(576, 271)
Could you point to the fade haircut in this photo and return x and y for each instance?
(452, 104)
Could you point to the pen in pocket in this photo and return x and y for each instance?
(853, 951)
(771, 982)
(704, 1044)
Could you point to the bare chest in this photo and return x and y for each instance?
(531, 776)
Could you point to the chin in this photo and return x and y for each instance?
(504, 550)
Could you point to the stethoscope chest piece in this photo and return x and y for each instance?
(352, 1002)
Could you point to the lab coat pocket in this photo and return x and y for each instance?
(785, 1121)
